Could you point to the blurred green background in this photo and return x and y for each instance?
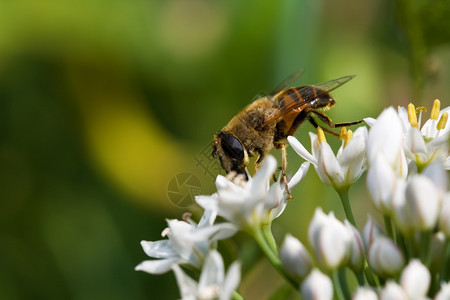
(102, 103)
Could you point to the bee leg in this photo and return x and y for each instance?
(314, 123)
(283, 170)
(327, 120)
(259, 160)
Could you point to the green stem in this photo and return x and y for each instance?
(360, 278)
(260, 239)
(343, 282)
(369, 276)
(446, 263)
(343, 194)
(267, 231)
(337, 285)
(388, 226)
(236, 296)
(401, 243)
(425, 249)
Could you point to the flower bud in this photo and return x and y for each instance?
(385, 258)
(356, 261)
(415, 279)
(330, 240)
(444, 218)
(317, 286)
(393, 291)
(364, 293)
(370, 232)
(295, 258)
(444, 292)
(422, 202)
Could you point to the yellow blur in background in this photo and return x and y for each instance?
(106, 107)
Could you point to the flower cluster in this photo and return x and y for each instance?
(407, 258)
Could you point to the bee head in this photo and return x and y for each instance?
(230, 151)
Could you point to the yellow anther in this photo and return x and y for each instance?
(412, 116)
(442, 121)
(435, 110)
(320, 136)
(421, 109)
(348, 137)
(343, 133)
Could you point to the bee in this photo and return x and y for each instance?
(267, 122)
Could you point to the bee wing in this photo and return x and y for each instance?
(293, 77)
(307, 94)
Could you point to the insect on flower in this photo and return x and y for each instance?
(268, 121)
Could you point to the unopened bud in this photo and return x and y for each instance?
(415, 280)
(356, 261)
(364, 293)
(444, 218)
(393, 291)
(317, 286)
(385, 258)
(295, 258)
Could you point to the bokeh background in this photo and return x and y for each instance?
(103, 103)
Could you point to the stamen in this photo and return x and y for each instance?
(343, 133)
(412, 117)
(442, 121)
(348, 137)
(320, 136)
(419, 111)
(435, 110)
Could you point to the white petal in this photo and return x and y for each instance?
(444, 292)
(422, 202)
(213, 271)
(415, 145)
(157, 266)
(231, 282)
(317, 286)
(444, 220)
(187, 286)
(381, 181)
(364, 293)
(356, 261)
(299, 175)
(385, 258)
(318, 221)
(370, 121)
(295, 258)
(385, 137)
(415, 280)
(328, 168)
(301, 150)
(393, 291)
(158, 249)
(370, 232)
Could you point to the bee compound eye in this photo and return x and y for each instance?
(232, 146)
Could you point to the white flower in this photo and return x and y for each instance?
(252, 202)
(415, 280)
(188, 243)
(339, 171)
(393, 291)
(364, 293)
(295, 257)
(385, 258)
(427, 143)
(213, 283)
(329, 239)
(317, 286)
